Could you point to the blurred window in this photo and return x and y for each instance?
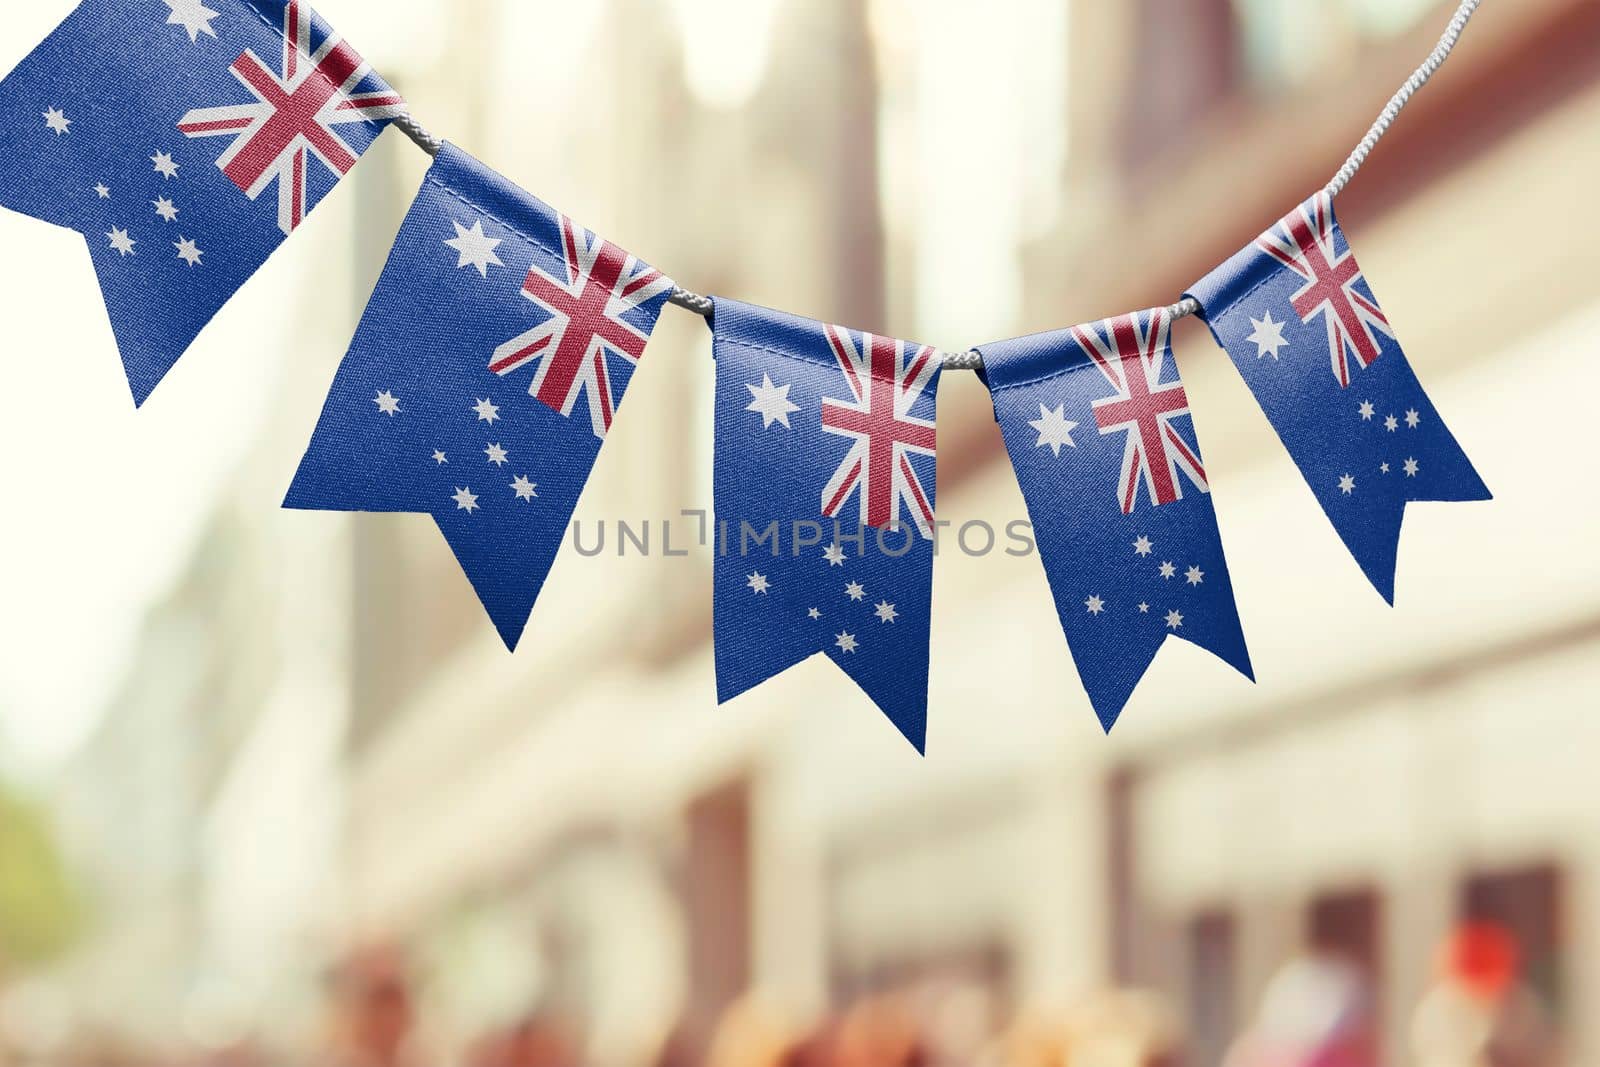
(716, 888)
(1186, 67)
(1526, 903)
(1212, 983)
(1349, 925)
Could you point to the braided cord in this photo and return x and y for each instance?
(973, 360)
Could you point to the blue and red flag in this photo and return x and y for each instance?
(1099, 430)
(484, 378)
(1298, 319)
(185, 140)
(825, 485)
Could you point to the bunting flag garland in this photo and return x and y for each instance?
(1297, 317)
(486, 371)
(1098, 427)
(187, 139)
(156, 129)
(824, 486)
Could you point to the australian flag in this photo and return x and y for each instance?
(1099, 430)
(185, 139)
(825, 478)
(1300, 322)
(484, 377)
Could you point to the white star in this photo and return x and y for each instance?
(497, 455)
(1367, 411)
(164, 165)
(1412, 467)
(1384, 469)
(771, 402)
(466, 500)
(193, 16)
(1196, 576)
(388, 403)
(886, 612)
(1143, 547)
(121, 241)
(57, 120)
(1391, 424)
(846, 643)
(1174, 620)
(758, 584)
(814, 614)
(524, 488)
(1413, 418)
(188, 251)
(102, 191)
(1268, 337)
(1055, 429)
(1144, 609)
(1168, 571)
(440, 458)
(165, 209)
(855, 591)
(487, 412)
(474, 247)
(834, 555)
(1347, 485)
(1095, 605)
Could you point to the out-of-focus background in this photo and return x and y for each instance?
(272, 793)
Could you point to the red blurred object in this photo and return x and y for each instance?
(1484, 958)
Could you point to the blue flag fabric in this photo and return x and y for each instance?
(1098, 427)
(185, 140)
(483, 379)
(825, 485)
(1296, 315)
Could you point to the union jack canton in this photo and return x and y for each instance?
(1365, 436)
(825, 488)
(1098, 427)
(429, 412)
(108, 129)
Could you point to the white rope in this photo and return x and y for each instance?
(703, 305)
(1398, 102)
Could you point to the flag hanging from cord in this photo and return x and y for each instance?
(824, 487)
(1298, 319)
(185, 140)
(484, 378)
(1099, 430)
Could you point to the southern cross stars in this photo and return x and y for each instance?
(525, 489)
(439, 457)
(121, 242)
(1268, 337)
(834, 555)
(389, 404)
(497, 455)
(1347, 484)
(188, 251)
(1196, 576)
(1143, 547)
(846, 643)
(487, 412)
(474, 247)
(1412, 467)
(814, 614)
(1168, 571)
(1367, 411)
(1055, 429)
(855, 591)
(193, 16)
(57, 120)
(466, 500)
(758, 584)
(1413, 418)
(164, 165)
(771, 402)
(1095, 605)
(165, 209)
(103, 191)
(886, 612)
(1174, 620)
(1391, 424)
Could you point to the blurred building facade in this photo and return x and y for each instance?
(353, 760)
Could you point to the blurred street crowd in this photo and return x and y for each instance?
(1317, 1012)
